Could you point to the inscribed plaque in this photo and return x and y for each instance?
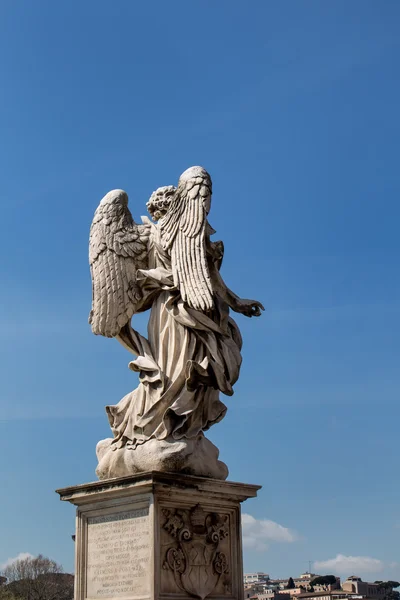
(118, 555)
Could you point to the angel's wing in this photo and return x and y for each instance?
(184, 230)
(117, 248)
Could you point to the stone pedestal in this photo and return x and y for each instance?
(158, 536)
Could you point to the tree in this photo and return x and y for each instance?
(391, 595)
(324, 580)
(290, 584)
(388, 585)
(6, 594)
(38, 578)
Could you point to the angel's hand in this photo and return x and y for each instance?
(250, 308)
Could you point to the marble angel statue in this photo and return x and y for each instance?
(193, 349)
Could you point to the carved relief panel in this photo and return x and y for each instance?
(195, 552)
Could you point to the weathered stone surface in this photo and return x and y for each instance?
(118, 554)
(196, 456)
(196, 552)
(193, 349)
(158, 536)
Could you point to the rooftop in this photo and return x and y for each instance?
(336, 593)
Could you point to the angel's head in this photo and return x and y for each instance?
(196, 180)
(160, 200)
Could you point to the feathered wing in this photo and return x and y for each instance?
(184, 231)
(117, 248)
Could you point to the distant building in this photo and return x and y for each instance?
(274, 595)
(356, 585)
(302, 581)
(259, 577)
(254, 591)
(327, 587)
(330, 595)
(259, 586)
(306, 577)
(279, 583)
(294, 592)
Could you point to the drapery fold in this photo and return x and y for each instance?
(188, 359)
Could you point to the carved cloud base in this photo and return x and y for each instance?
(197, 456)
(158, 536)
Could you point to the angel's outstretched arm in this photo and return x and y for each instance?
(249, 308)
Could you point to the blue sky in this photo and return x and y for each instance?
(293, 108)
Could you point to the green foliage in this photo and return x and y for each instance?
(388, 585)
(290, 584)
(324, 580)
(392, 595)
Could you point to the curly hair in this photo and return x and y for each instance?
(160, 200)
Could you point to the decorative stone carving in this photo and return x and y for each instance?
(193, 349)
(194, 557)
(158, 536)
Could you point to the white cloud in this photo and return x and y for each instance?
(10, 561)
(349, 565)
(258, 533)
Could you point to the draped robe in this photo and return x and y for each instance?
(187, 360)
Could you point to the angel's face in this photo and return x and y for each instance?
(157, 214)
